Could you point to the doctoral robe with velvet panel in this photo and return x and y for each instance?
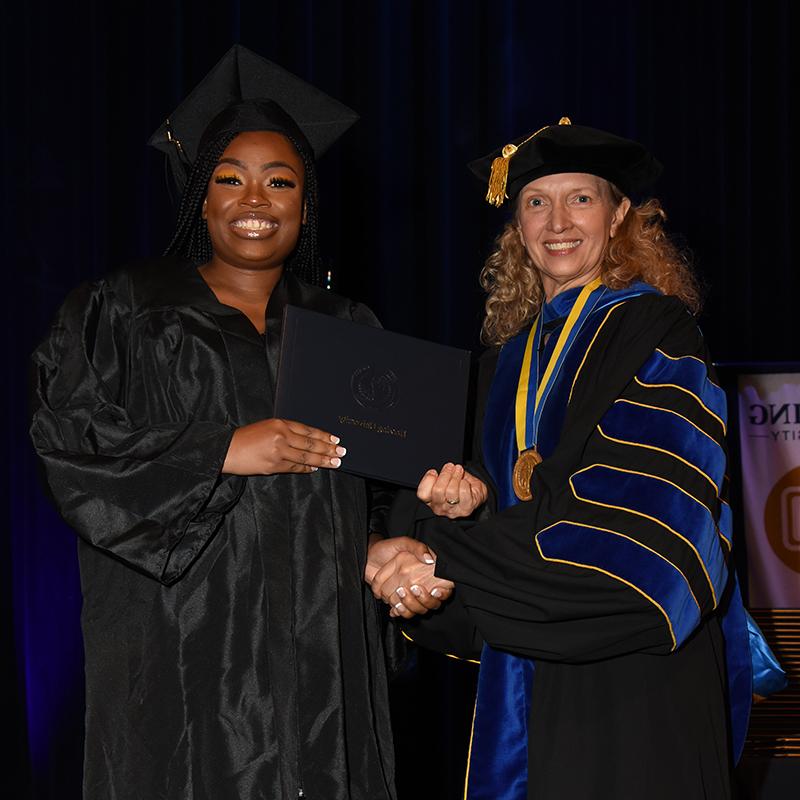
(232, 649)
(605, 590)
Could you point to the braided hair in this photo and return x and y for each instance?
(191, 239)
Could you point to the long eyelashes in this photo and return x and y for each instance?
(276, 182)
(230, 179)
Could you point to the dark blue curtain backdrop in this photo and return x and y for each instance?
(705, 84)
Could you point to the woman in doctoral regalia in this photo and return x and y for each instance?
(597, 594)
(232, 650)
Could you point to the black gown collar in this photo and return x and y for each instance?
(175, 283)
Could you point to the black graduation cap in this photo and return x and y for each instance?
(565, 148)
(242, 75)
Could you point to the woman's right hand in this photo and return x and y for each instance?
(281, 445)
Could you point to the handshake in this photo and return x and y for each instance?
(401, 570)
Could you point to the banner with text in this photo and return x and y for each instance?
(769, 415)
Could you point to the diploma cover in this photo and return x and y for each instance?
(397, 403)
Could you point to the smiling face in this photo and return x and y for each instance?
(254, 205)
(565, 222)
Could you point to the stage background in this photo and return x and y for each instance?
(704, 84)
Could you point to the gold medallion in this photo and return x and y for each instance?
(523, 470)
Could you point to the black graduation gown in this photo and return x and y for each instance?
(628, 699)
(232, 649)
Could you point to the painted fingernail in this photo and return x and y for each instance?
(436, 593)
(415, 590)
(335, 439)
(399, 607)
(341, 451)
(400, 591)
(336, 462)
(428, 558)
(314, 469)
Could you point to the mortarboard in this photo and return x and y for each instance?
(242, 75)
(565, 148)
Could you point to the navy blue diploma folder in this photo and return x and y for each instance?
(397, 403)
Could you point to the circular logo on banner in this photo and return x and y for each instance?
(782, 519)
(373, 389)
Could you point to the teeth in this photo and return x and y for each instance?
(561, 245)
(253, 224)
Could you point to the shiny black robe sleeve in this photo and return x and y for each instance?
(530, 600)
(148, 491)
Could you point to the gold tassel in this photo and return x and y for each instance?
(498, 177)
(173, 139)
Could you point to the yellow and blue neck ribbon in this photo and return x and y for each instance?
(532, 393)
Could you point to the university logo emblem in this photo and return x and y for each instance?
(374, 389)
(782, 519)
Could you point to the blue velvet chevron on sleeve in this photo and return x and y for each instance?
(649, 510)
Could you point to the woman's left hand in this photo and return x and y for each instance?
(453, 493)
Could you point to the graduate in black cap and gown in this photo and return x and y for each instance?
(595, 588)
(233, 651)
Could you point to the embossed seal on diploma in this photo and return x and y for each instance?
(374, 389)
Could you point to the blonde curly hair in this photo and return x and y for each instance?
(640, 251)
